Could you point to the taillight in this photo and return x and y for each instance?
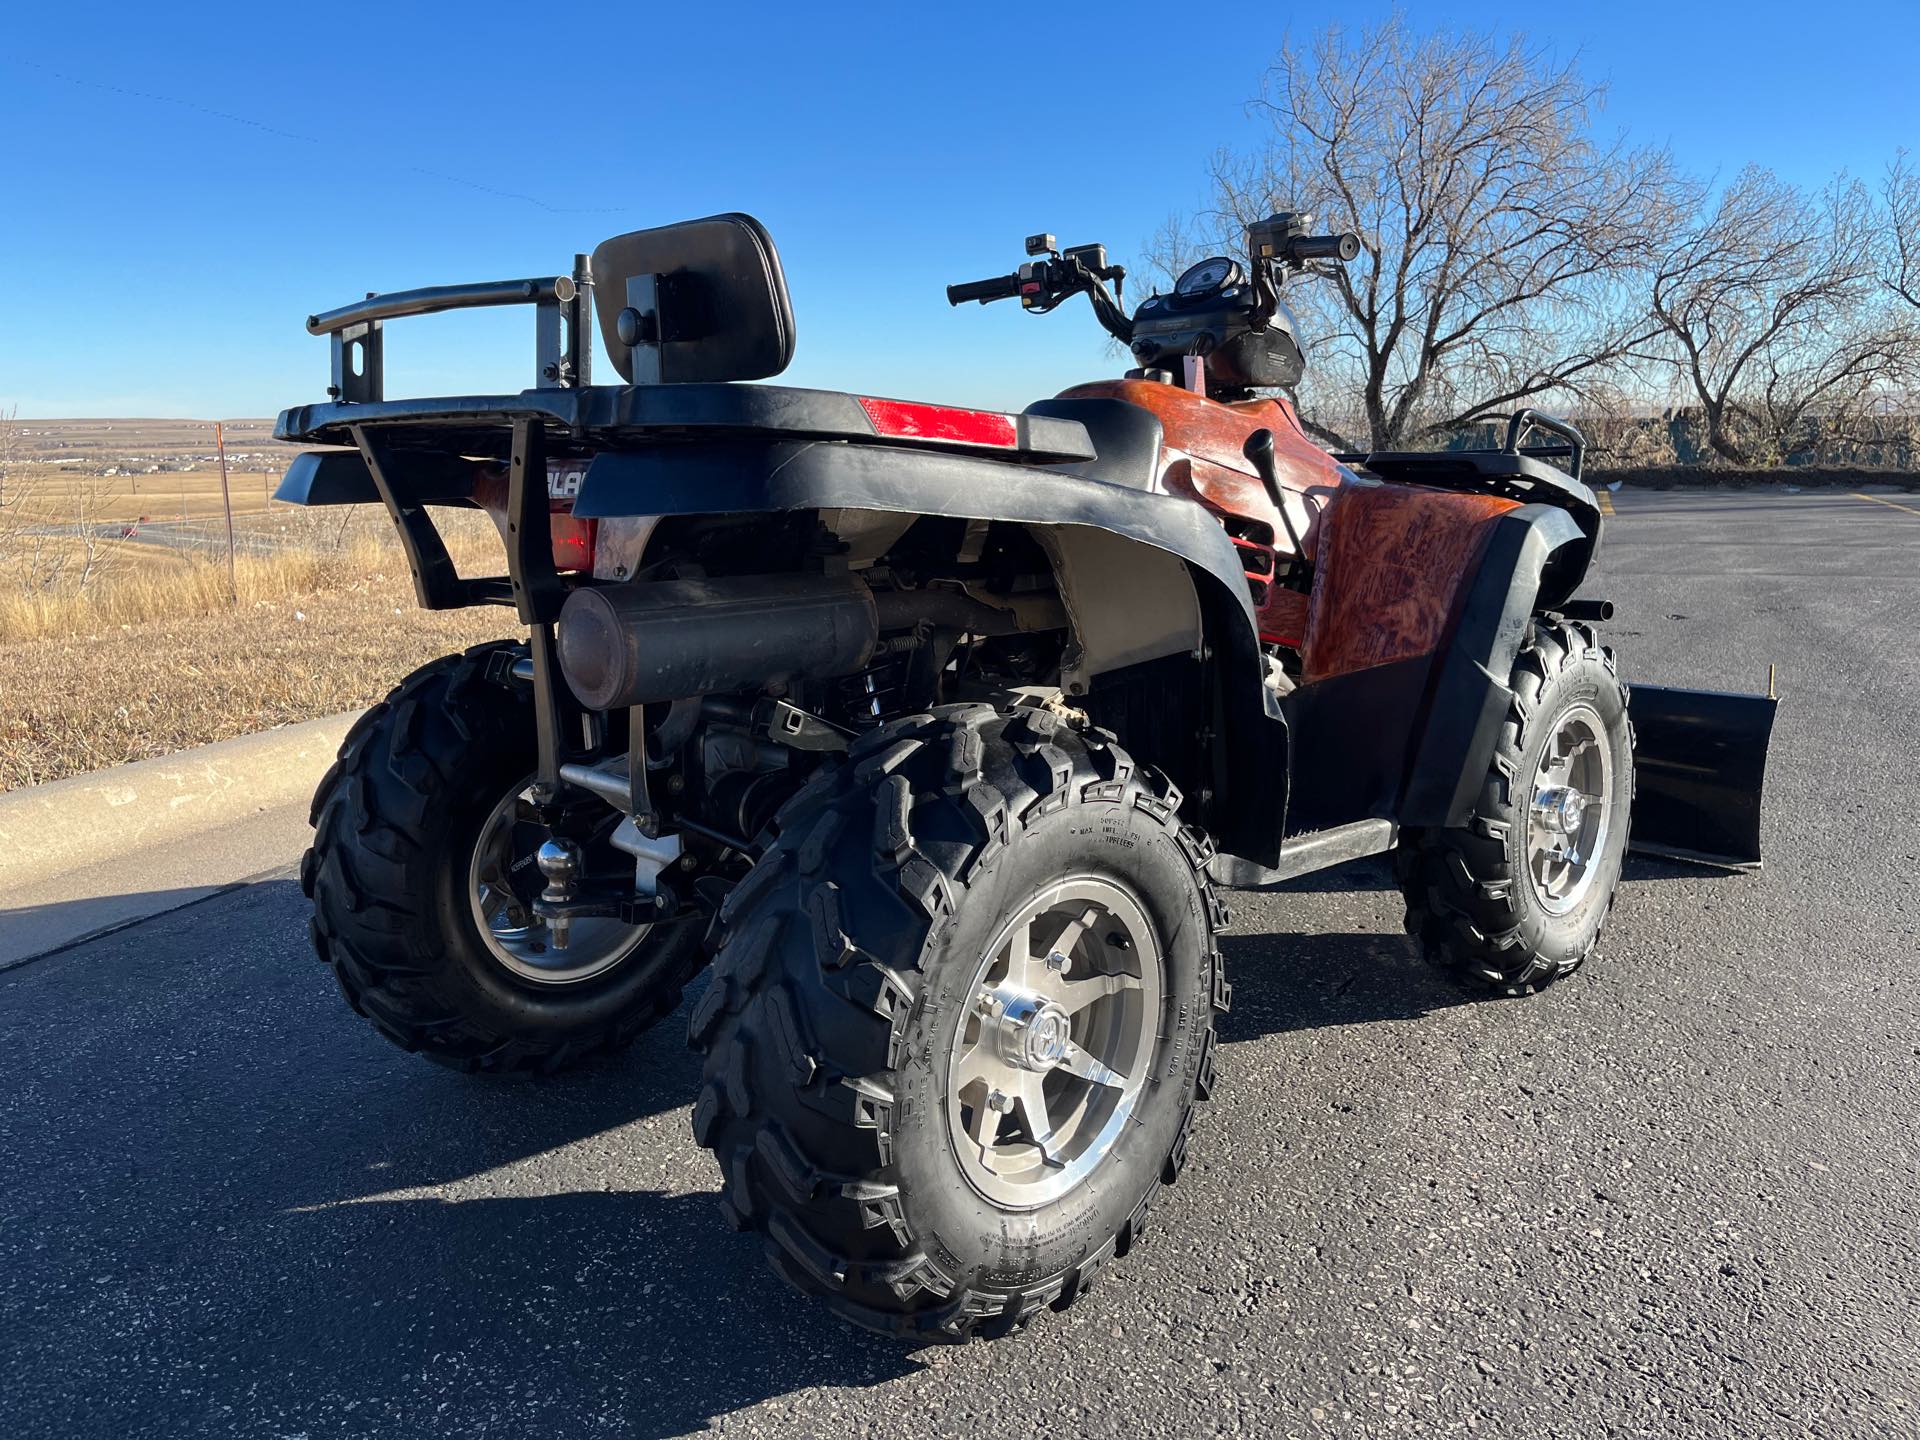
(572, 541)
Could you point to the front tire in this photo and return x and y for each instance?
(895, 993)
(423, 779)
(1516, 898)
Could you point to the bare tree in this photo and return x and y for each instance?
(55, 528)
(1504, 245)
(89, 498)
(23, 531)
(1770, 312)
(1622, 429)
(1900, 196)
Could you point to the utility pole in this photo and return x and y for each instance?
(226, 499)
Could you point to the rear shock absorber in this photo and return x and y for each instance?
(875, 694)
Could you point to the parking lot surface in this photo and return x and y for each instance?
(1676, 1195)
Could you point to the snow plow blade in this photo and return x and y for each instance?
(1700, 759)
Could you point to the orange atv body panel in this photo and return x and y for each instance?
(1388, 574)
(1203, 460)
(1388, 559)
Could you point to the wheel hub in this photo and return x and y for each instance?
(1561, 809)
(1568, 822)
(1048, 1063)
(1028, 1031)
(511, 858)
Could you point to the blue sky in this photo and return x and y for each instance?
(183, 185)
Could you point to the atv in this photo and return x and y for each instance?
(941, 731)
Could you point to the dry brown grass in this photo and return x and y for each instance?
(112, 649)
(158, 584)
(155, 654)
(60, 493)
(133, 691)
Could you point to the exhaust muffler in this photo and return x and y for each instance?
(660, 640)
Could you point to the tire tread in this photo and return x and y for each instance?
(833, 1223)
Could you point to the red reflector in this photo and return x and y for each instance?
(572, 541)
(901, 420)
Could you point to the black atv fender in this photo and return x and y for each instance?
(1534, 558)
(1700, 756)
(1243, 800)
(1085, 524)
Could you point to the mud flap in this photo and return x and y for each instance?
(1700, 759)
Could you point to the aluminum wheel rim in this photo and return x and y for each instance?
(502, 878)
(1048, 1060)
(1569, 816)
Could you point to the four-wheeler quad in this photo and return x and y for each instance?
(940, 730)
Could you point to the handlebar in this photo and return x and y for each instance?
(1002, 287)
(1041, 285)
(1323, 247)
(1276, 245)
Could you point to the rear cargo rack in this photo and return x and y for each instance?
(563, 338)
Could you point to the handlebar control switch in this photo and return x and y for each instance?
(1284, 239)
(1034, 289)
(1269, 239)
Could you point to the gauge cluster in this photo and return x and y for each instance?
(1214, 312)
(1208, 278)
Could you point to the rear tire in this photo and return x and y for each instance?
(1485, 905)
(396, 822)
(849, 976)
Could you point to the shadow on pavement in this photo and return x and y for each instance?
(1641, 869)
(224, 1206)
(1301, 981)
(1287, 982)
(32, 931)
(630, 1310)
(221, 1214)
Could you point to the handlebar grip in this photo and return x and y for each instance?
(1003, 287)
(1324, 247)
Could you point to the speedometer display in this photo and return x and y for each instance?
(1206, 277)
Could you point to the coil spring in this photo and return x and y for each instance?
(876, 694)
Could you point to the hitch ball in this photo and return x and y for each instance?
(560, 862)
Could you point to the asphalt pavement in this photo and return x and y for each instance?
(1673, 1196)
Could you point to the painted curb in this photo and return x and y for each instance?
(88, 819)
